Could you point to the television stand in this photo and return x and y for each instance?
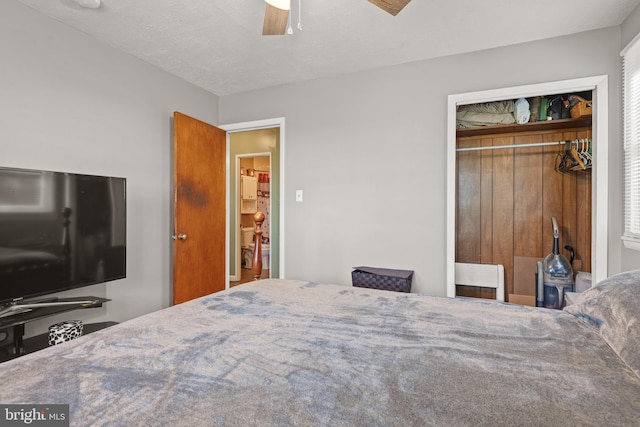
(18, 307)
(12, 324)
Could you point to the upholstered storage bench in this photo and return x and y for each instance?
(382, 278)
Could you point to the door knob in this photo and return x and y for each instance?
(182, 236)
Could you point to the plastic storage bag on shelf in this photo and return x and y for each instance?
(522, 112)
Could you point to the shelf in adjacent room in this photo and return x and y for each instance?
(527, 127)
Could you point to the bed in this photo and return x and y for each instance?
(285, 352)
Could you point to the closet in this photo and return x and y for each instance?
(511, 180)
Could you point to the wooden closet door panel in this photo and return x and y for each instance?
(486, 205)
(503, 209)
(583, 231)
(568, 222)
(486, 214)
(552, 182)
(528, 189)
(468, 203)
(582, 239)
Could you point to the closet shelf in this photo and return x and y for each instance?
(527, 127)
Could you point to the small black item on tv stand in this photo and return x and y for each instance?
(38, 310)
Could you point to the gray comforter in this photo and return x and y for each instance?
(281, 353)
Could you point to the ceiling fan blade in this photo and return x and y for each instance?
(392, 6)
(275, 21)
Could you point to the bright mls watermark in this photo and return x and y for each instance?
(34, 415)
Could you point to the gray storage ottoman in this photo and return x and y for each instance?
(382, 278)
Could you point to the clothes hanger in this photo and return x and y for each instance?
(582, 152)
(586, 151)
(565, 161)
(576, 156)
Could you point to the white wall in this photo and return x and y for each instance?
(69, 103)
(369, 151)
(630, 28)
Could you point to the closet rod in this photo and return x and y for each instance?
(496, 147)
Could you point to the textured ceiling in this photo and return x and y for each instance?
(217, 44)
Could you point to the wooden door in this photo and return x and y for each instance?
(199, 183)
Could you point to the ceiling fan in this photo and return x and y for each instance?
(276, 14)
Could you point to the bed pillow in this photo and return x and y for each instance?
(614, 307)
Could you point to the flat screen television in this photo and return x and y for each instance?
(59, 231)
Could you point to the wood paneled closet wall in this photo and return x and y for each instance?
(506, 197)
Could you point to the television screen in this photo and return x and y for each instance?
(59, 231)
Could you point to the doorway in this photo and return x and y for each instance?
(253, 194)
(599, 86)
(246, 140)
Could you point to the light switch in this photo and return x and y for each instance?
(298, 195)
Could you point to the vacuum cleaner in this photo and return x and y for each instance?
(554, 275)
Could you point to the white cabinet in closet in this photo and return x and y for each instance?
(248, 194)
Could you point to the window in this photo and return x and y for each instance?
(631, 130)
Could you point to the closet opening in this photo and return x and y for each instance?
(517, 159)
